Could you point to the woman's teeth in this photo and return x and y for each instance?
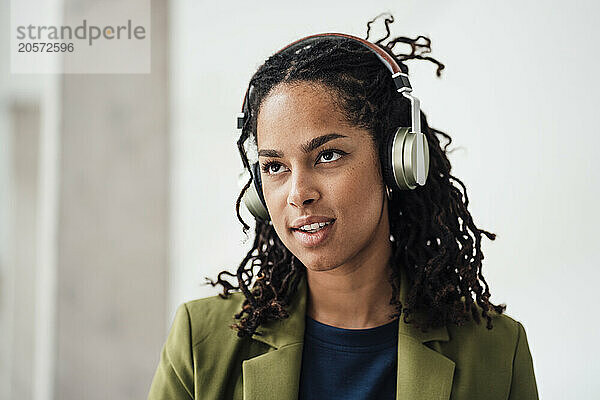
(312, 228)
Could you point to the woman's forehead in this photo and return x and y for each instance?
(292, 103)
(297, 113)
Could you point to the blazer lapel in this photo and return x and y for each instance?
(275, 375)
(423, 373)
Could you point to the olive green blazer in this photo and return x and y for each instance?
(203, 358)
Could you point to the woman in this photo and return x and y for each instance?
(343, 247)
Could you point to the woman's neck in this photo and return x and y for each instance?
(355, 295)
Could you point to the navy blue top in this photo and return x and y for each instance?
(349, 364)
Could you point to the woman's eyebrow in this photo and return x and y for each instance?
(306, 148)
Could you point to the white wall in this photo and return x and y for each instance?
(519, 95)
(83, 221)
(29, 138)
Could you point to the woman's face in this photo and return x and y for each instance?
(315, 164)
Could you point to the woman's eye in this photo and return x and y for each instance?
(328, 155)
(267, 168)
(275, 168)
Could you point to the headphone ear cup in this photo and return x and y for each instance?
(415, 157)
(258, 183)
(387, 167)
(253, 197)
(404, 160)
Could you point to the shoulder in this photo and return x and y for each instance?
(500, 357)
(504, 329)
(209, 316)
(502, 338)
(205, 321)
(474, 343)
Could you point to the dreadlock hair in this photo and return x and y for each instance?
(429, 225)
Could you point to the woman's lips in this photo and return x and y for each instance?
(313, 239)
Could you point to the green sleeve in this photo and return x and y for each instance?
(174, 377)
(523, 385)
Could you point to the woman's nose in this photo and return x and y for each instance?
(303, 190)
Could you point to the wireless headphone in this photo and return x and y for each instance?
(405, 159)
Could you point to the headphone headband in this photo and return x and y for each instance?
(390, 63)
(398, 75)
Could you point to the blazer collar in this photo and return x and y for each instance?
(423, 373)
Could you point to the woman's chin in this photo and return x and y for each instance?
(318, 265)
